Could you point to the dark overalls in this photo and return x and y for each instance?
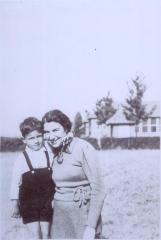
(36, 193)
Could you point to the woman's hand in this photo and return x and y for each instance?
(15, 209)
(68, 138)
(89, 233)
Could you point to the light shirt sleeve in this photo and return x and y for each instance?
(91, 167)
(18, 169)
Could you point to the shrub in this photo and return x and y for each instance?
(8, 144)
(93, 142)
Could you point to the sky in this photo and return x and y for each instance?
(67, 54)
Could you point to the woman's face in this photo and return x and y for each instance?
(54, 133)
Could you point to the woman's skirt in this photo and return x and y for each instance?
(69, 220)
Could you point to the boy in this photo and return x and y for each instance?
(32, 186)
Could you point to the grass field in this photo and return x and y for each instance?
(132, 206)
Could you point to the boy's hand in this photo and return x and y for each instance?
(15, 209)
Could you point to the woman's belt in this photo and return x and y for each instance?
(79, 194)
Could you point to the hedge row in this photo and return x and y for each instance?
(93, 142)
(11, 144)
(16, 144)
(131, 143)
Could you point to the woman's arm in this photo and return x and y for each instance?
(91, 167)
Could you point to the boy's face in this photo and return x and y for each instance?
(34, 140)
(54, 133)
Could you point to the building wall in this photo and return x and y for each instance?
(92, 129)
(150, 128)
(120, 131)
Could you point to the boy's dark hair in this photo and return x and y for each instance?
(59, 117)
(30, 124)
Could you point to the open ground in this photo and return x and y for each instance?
(132, 205)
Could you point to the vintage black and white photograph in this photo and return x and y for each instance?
(80, 119)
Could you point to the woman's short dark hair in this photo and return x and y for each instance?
(59, 117)
(31, 124)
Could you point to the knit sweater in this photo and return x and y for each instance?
(79, 166)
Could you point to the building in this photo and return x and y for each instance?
(119, 127)
(151, 127)
(92, 129)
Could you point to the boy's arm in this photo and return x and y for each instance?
(15, 211)
(16, 177)
(15, 183)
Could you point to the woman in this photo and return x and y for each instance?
(79, 196)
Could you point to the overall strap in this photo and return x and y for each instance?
(47, 158)
(28, 161)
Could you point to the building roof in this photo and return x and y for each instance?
(156, 112)
(89, 115)
(119, 117)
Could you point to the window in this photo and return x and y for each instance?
(145, 129)
(153, 120)
(153, 129)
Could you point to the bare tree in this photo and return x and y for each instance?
(104, 109)
(134, 109)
